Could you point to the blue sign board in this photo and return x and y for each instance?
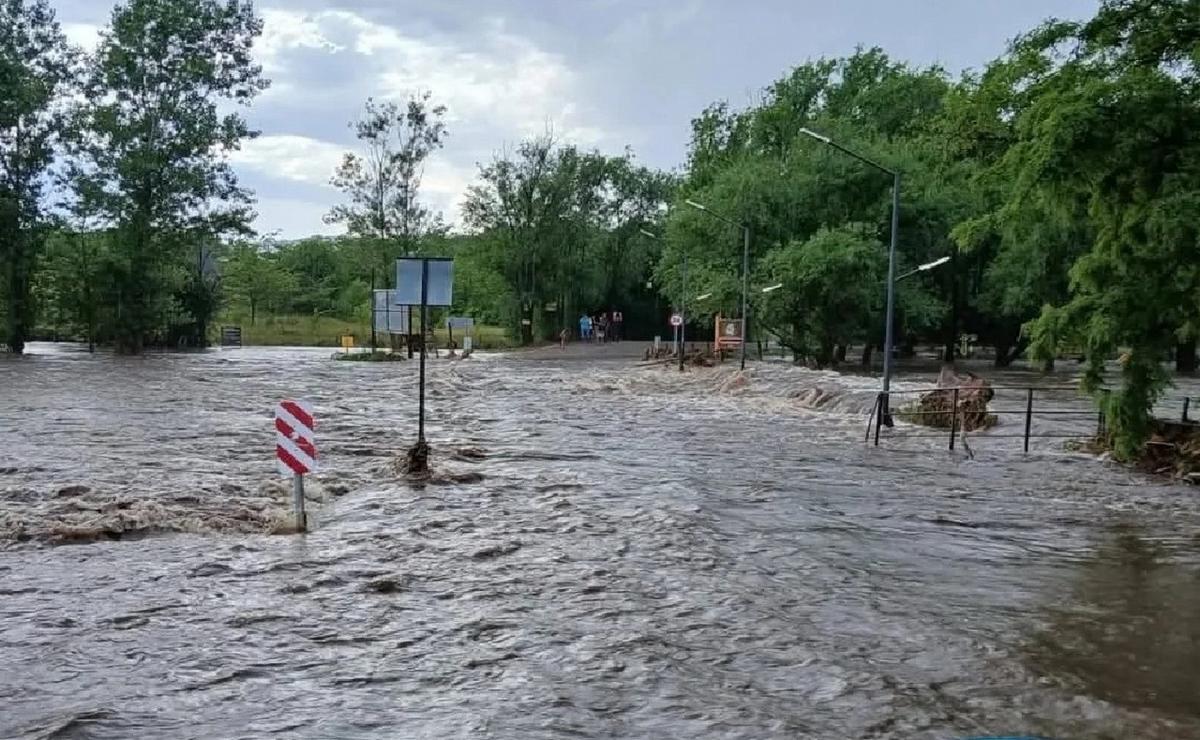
(440, 290)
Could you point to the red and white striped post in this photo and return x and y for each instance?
(295, 449)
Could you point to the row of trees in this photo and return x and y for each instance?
(560, 228)
(1063, 181)
(122, 221)
(131, 141)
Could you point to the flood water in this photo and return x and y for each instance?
(604, 551)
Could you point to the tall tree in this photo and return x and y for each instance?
(1112, 124)
(560, 225)
(153, 135)
(384, 182)
(832, 283)
(757, 167)
(36, 68)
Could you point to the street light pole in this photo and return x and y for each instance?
(888, 338)
(745, 290)
(682, 301)
(888, 331)
(745, 267)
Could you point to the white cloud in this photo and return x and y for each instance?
(293, 217)
(85, 35)
(497, 86)
(284, 30)
(498, 79)
(309, 161)
(290, 157)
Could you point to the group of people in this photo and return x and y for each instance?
(604, 327)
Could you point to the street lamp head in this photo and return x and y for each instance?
(704, 296)
(819, 137)
(935, 263)
(770, 288)
(694, 204)
(648, 233)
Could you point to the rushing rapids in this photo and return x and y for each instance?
(602, 550)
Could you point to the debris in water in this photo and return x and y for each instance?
(495, 551)
(416, 460)
(386, 585)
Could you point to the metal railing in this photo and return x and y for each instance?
(957, 414)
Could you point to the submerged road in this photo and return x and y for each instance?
(604, 551)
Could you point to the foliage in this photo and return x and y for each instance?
(758, 168)
(150, 142)
(1112, 123)
(832, 283)
(384, 183)
(561, 228)
(36, 71)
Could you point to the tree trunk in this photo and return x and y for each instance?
(949, 352)
(1185, 356)
(254, 308)
(20, 303)
(1003, 358)
(866, 355)
(825, 354)
(839, 354)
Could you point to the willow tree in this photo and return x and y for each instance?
(153, 136)
(35, 70)
(1114, 122)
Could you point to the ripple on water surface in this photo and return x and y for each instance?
(604, 551)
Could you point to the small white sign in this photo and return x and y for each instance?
(676, 320)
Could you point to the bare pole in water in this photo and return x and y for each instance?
(298, 502)
(424, 322)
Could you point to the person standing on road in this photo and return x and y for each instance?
(585, 327)
(618, 320)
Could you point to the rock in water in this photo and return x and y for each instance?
(936, 408)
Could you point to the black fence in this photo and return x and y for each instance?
(947, 412)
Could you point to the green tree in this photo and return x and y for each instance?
(316, 266)
(560, 226)
(36, 70)
(256, 280)
(832, 291)
(756, 167)
(152, 139)
(384, 182)
(73, 280)
(1113, 122)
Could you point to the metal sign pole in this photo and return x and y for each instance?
(298, 502)
(374, 308)
(424, 321)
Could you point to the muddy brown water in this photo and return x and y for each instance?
(644, 556)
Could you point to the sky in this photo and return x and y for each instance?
(608, 74)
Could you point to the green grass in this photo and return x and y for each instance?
(327, 331)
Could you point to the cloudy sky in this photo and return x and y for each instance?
(602, 73)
